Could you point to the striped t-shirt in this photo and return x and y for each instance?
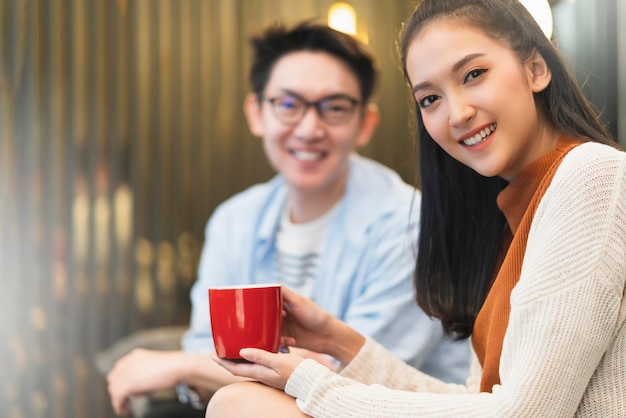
(298, 248)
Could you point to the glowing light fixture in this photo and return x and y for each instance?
(541, 11)
(342, 17)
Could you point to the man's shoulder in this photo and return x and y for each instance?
(372, 181)
(378, 201)
(251, 201)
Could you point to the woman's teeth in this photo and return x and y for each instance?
(307, 155)
(480, 136)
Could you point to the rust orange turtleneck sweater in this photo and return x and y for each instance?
(518, 201)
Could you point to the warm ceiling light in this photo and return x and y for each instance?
(342, 17)
(541, 11)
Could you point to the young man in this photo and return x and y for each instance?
(333, 226)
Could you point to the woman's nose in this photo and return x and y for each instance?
(461, 110)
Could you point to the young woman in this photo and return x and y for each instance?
(522, 245)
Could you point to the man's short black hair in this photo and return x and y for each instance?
(277, 41)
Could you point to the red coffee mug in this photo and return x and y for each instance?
(245, 316)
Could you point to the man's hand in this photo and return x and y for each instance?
(142, 371)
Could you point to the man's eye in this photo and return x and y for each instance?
(288, 103)
(336, 106)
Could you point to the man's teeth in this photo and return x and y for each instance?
(480, 136)
(307, 155)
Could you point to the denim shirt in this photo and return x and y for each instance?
(366, 265)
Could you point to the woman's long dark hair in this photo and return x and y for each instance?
(461, 226)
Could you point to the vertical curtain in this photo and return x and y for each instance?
(586, 31)
(121, 129)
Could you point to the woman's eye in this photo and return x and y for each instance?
(474, 74)
(427, 101)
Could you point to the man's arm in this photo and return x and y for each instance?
(143, 371)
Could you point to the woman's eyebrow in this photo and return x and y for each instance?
(420, 86)
(456, 67)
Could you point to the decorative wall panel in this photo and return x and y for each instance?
(121, 129)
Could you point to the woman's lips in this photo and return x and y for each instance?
(480, 136)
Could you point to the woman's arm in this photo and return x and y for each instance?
(564, 313)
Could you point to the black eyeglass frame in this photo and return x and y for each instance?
(318, 105)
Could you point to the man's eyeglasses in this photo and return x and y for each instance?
(334, 110)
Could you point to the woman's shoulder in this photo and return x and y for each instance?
(590, 172)
(595, 152)
(593, 160)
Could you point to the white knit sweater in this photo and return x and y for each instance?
(564, 351)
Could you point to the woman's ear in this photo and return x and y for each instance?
(539, 73)
(254, 116)
(371, 119)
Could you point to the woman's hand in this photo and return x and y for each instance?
(306, 325)
(323, 359)
(271, 369)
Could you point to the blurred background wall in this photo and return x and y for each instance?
(121, 130)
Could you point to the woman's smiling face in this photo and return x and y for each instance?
(477, 99)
